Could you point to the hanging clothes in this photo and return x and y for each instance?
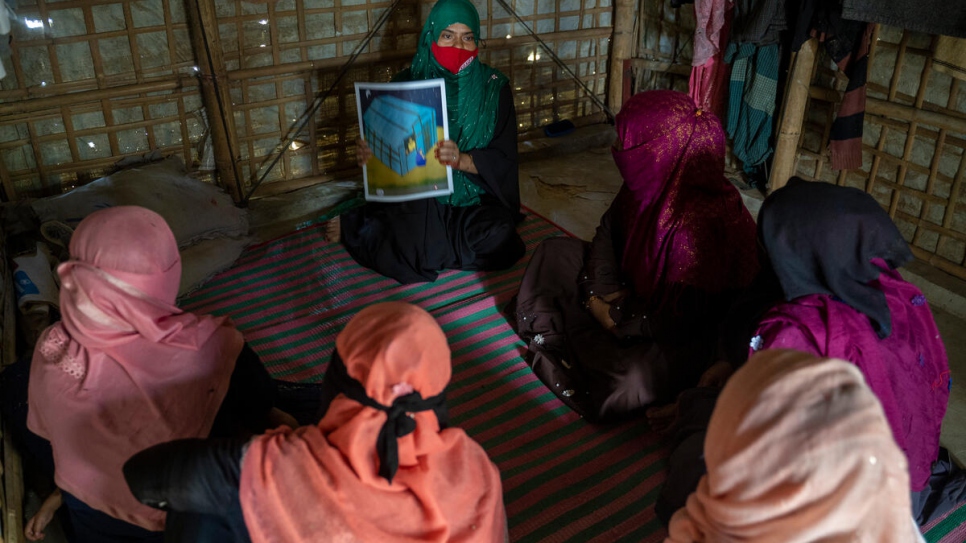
(751, 103)
(847, 43)
(929, 16)
(760, 22)
(710, 72)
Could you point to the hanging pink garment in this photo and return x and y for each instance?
(709, 74)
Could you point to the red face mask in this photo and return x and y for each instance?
(454, 59)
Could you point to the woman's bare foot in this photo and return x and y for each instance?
(333, 230)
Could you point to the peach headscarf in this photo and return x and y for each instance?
(125, 369)
(798, 450)
(322, 483)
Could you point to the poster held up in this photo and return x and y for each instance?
(403, 123)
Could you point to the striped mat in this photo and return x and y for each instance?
(564, 479)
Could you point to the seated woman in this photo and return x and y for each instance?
(834, 252)
(380, 466)
(798, 450)
(830, 288)
(631, 318)
(126, 369)
(475, 227)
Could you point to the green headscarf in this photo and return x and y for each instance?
(472, 96)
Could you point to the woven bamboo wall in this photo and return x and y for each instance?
(665, 46)
(91, 81)
(278, 55)
(913, 144)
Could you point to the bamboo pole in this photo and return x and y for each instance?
(10, 191)
(875, 106)
(658, 66)
(202, 23)
(35, 105)
(8, 351)
(13, 490)
(939, 262)
(622, 48)
(793, 115)
(315, 65)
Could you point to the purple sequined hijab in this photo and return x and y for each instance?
(684, 223)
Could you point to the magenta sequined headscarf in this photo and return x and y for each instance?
(684, 223)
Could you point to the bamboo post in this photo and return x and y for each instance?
(9, 190)
(894, 110)
(793, 115)
(8, 350)
(202, 26)
(13, 491)
(621, 49)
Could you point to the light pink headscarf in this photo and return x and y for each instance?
(798, 450)
(125, 369)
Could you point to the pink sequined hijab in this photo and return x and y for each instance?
(684, 223)
(125, 369)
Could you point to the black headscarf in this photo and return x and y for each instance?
(821, 238)
(398, 422)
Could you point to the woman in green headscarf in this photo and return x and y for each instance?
(473, 228)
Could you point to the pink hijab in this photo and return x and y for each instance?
(125, 369)
(684, 223)
(798, 450)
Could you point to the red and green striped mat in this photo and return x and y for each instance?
(564, 479)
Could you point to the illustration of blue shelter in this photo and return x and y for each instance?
(400, 133)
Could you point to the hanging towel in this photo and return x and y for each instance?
(845, 138)
(751, 103)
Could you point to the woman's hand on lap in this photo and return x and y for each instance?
(601, 311)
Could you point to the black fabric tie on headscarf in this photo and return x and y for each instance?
(821, 239)
(399, 421)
